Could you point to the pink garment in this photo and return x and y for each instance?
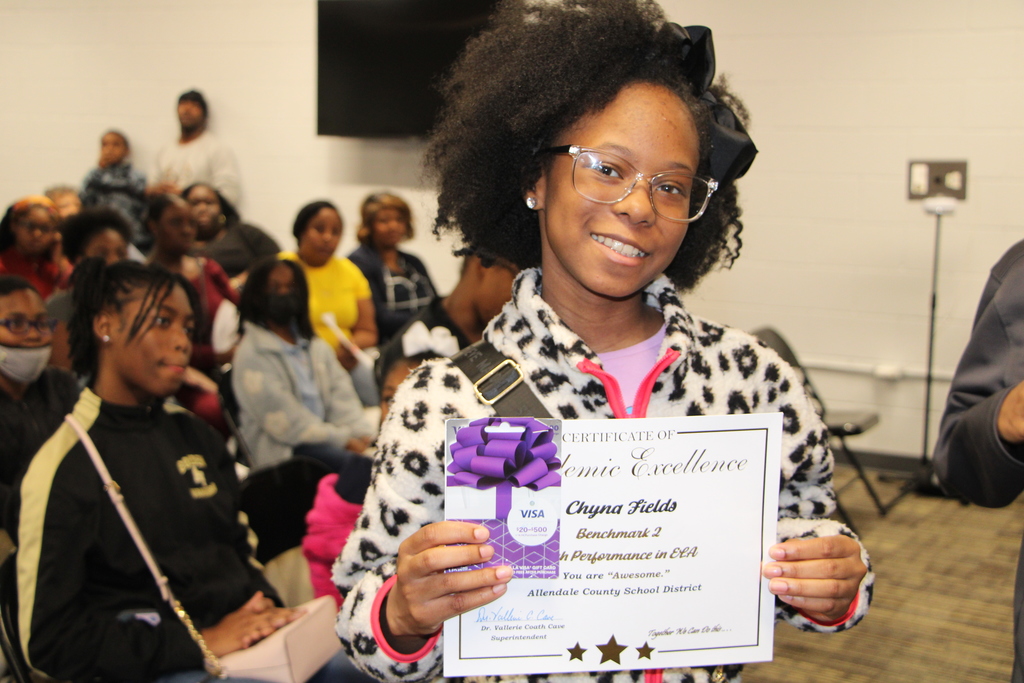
(328, 525)
(643, 393)
(629, 365)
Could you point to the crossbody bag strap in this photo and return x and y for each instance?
(498, 381)
(210, 660)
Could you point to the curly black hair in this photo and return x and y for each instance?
(538, 69)
(78, 230)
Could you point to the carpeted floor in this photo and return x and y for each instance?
(943, 598)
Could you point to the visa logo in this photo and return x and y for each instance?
(532, 513)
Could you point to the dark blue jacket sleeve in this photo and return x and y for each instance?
(970, 456)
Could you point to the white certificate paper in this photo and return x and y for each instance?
(662, 527)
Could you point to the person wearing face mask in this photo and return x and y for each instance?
(33, 398)
(294, 396)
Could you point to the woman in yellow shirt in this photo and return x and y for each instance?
(336, 285)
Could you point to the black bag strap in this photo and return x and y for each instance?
(498, 381)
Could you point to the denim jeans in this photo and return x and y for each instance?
(333, 456)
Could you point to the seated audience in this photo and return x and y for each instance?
(294, 396)
(116, 183)
(336, 285)
(33, 398)
(30, 244)
(443, 328)
(398, 280)
(65, 198)
(222, 236)
(459, 317)
(174, 233)
(339, 497)
(99, 231)
(91, 610)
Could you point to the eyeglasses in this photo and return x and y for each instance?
(607, 178)
(21, 326)
(44, 230)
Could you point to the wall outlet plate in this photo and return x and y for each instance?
(937, 179)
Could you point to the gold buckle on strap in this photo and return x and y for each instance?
(518, 380)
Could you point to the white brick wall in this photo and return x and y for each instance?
(842, 96)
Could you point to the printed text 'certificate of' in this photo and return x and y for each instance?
(636, 544)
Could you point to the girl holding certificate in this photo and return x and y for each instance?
(583, 141)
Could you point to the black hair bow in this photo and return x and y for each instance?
(732, 150)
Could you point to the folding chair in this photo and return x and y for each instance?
(840, 424)
(229, 407)
(276, 500)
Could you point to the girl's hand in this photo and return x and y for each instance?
(818, 576)
(250, 623)
(238, 281)
(424, 596)
(199, 380)
(346, 358)
(359, 444)
(56, 250)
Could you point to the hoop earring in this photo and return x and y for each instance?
(531, 203)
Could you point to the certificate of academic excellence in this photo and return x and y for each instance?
(635, 544)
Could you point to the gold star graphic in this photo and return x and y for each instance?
(576, 652)
(645, 651)
(610, 651)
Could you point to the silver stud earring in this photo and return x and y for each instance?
(106, 338)
(531, 203)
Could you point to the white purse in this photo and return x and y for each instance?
(292, 654)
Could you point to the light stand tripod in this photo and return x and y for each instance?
(922, 479)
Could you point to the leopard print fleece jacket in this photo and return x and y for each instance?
(714, 370)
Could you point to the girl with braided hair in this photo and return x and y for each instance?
(583, 141)
(89, 609)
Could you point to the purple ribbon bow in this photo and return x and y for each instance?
(483, 459)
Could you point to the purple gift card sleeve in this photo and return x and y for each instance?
(503, 473)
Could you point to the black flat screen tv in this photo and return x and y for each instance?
(379, 62)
